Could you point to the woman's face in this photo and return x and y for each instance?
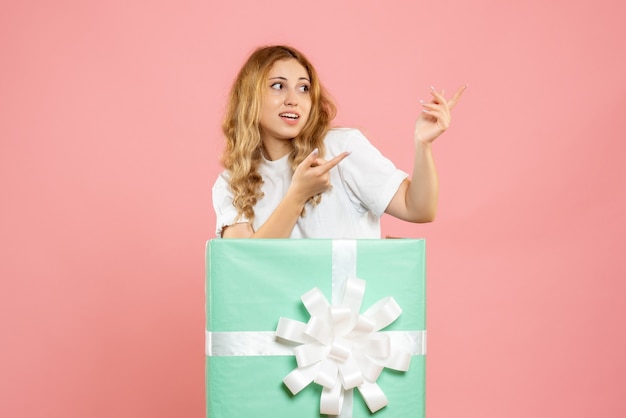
(286, 103)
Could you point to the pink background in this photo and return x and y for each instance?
(110, 130)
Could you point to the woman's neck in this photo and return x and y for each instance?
(276, 150)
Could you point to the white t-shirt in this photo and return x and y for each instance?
(363, 184)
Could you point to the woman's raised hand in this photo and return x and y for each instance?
(435, 117)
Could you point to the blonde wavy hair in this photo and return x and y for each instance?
(244, 148)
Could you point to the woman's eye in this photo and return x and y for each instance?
(304, 88)
(277, 86)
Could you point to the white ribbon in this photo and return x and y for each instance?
(338, 348)
(341, 349)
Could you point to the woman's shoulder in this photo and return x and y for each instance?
(340, 138)
(222, 181)
(343, 133)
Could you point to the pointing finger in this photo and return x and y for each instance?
(453, 101)
(331, 163)
(310, 159)
(312, 156)
(317, 162)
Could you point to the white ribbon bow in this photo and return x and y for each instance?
(342, 349)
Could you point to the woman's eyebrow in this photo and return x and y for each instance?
(283, 78)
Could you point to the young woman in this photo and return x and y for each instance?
(288, 174)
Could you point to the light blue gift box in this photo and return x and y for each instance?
(252, 283)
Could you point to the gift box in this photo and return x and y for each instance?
(307, 292)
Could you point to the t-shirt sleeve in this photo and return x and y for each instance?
(371, 177)
(225, 211)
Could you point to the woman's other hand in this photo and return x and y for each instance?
(435, 117)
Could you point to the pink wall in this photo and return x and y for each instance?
(109, 130)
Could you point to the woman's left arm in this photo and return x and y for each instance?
(416, 199)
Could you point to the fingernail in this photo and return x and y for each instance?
(432, 88)
(315, 151)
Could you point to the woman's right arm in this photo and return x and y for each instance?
(311, 177)
(278, 225)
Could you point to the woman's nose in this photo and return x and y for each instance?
(291, 98)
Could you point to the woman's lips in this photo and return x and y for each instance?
(290, 117)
